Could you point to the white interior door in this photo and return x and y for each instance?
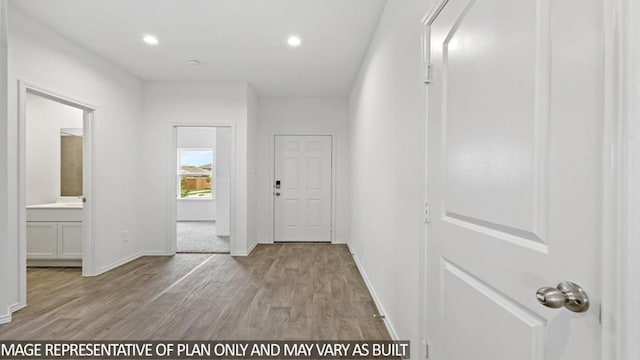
(302, 188)
(515, 165)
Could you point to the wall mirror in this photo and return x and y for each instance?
(71, 162)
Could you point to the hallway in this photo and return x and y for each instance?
(283, 292)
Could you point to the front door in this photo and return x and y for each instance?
(515, 171)
(302, 188)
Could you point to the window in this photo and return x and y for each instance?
(195, 174)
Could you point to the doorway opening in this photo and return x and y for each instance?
(203, 189)
(55, 168)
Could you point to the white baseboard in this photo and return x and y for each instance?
(6, 318)
(54, 263)
(15, 307)
(245, 253)
(156, 253)
(119, 263)
(376, 298)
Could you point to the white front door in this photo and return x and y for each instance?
(302, 188)
(515, 171)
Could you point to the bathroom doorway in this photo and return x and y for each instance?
(54, 199)
(202, 173)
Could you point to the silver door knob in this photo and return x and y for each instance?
(277, 194)
(566, 294)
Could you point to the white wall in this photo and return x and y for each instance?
(223, 180)
(188, 103)
(197, 209)
(6, 297)
(44, 120)
(42, 57)
(387, 127)
(287, 115)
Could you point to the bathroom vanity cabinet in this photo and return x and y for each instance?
(54, 235)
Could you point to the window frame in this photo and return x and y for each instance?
(179, 175)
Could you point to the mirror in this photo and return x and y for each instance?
(71, 162)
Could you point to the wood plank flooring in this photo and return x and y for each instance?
(279, 292)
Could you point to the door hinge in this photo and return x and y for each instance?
(426, 349)
(427, 74)
(427, 213)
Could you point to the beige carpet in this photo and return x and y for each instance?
(200, 237)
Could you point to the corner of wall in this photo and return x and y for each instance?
(391, 66)
(6, 317)
(252, 154)
(5, 279)
(376, 299)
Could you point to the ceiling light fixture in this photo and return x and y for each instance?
(294, 41)
(193, 62)
(150, 39)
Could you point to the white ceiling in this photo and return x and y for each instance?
(236, 40)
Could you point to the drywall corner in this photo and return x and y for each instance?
(376, 299)
(252, 154)
(5, 283)
(6, 317)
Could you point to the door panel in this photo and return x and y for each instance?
(514, 177)
(519, 336)
(42, 240)
(303, 208)
(70, 240)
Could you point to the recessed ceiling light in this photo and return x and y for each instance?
(294, 41)
(150, 39)
(193, 62)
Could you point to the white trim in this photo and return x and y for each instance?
(245, 253)
(621, 195)
(4, 132)
(131, 258)
(621, 315)
(424, 258)
(54, 263)
(334, 157)
(374, 295)
(6, 318)
(15, 307)
(120, 262)
(88, 167)
(430, 17)
(89, 117)
(156, 253)
(172, 213)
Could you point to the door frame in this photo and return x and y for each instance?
(620, 315)
(621, 251)
(333, 178)
(88, 209)
(172, 201)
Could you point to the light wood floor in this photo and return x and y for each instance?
(280, 292)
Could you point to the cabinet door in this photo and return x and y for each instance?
(70, 240)
(42, 240)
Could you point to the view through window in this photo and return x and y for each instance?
(195, 174)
